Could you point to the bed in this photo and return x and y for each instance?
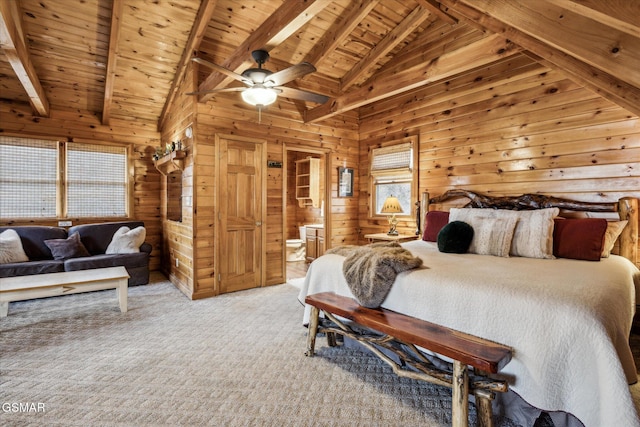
(566, 320)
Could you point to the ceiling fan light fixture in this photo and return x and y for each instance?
(259, 95)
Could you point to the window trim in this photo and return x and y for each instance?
(61, 186)
(373, 176)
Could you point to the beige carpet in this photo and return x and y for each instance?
(234, 360)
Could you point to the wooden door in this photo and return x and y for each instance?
(241, 206)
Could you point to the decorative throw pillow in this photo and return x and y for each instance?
(433, 223)
(11, 249)
(455, 237)
(492, 236)
(581, 238)
(614, 229)
(533, 235)
(127, 241)
(71, 247)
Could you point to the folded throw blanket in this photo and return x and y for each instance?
(371, 270)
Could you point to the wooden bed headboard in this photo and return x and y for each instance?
(626, 208)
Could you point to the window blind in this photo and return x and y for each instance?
(396, 157)
(27, 178)
(96, 180)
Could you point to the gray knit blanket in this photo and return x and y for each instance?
(371, 270)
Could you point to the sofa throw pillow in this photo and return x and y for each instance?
(580, 239)
(614, 229)
(71, 247)
(127, 241)
(455, 237)
(492, 236)
(11, 249)
(433, 223)
(533, 235)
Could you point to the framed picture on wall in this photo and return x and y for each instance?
(345, 182)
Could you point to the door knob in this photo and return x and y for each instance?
(258, 223)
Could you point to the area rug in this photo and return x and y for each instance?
(233, 360)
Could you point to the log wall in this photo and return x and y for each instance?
(17, 120)
(512, 128)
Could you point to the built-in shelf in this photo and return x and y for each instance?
(308, 182)
(171, 162)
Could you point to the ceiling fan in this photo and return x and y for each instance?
(264, 86)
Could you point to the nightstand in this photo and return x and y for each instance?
(384, 237)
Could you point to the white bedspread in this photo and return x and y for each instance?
(567, 321)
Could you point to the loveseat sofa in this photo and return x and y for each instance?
(94, 237)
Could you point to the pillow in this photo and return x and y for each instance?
(127, 241)
(533, 235)
(492, 236)
(11, 249)
(614, 229)
(71, 247)
(579, 238)
(455, 237)
(433, 223)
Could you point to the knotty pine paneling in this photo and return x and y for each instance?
(17, 120)
(512, 128)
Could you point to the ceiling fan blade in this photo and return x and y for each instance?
(222, 70)
(303, 95)
(291, 73)
(226, 89)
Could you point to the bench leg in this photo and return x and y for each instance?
(313, 330)
(331, 339)
(121, 290)
(460, 399)
(484, 399)
(4, 309)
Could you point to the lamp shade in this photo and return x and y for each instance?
(259, 95)
(391, 206)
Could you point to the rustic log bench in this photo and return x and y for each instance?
(401, 335)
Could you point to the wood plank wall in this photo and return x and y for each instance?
(17, 120)
(512, 128)
(229, 115)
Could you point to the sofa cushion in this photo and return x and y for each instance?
(140, 259)
(33, 237)
(70, 247)
(31, 267)
(11, 248)
(127, 241)
(96, 237)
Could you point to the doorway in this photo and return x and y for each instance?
(241, 201)
(304, 207)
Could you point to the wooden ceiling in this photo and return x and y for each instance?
(123, 58)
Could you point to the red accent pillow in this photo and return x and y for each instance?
(433, 223)
(579, 238)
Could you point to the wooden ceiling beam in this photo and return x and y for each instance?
(112, 58)
(284, 22)
(193, 43)
(476, 54)
(434, 7)
(391, 40)
(593, 77)
(623, 15)
(339, 31)
(12, 42)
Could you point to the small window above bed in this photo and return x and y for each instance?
(393, 173)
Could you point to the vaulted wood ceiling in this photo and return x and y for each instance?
(123, 58)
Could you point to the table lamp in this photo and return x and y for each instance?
(392, 206)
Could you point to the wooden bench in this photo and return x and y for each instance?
(71, 282)
(401, 335)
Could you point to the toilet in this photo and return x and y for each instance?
(296, 247)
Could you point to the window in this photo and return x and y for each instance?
(393, 174)
(48, 179)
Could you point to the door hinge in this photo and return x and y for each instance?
(219, 277)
